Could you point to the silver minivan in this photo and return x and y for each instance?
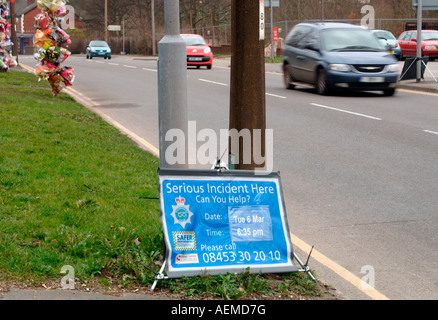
(338, 56)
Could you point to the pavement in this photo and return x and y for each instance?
(427, 85)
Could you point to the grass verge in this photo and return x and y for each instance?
(72, 192)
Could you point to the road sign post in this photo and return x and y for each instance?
(14, 31)
(172, 84)
(419, 37)
(247, 92)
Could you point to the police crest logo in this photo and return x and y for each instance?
(181, 213)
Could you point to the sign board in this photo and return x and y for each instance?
(427, 4)
(275, 32)
(275, 4)
(262, 21)
(218, 222)
(410, 68)
(114, 28)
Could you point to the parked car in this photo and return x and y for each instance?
(338, 56)
(387, 39)
(429, 43)
(198, 51)
(98, 48)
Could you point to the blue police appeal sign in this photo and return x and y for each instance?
(215, 223)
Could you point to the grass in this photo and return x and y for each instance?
(71, 188)
(276, 60)
(72, 192)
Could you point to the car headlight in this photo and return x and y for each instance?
(207, 50)
(429, 48)
(93, 50)
(340, 67)
(393, 68)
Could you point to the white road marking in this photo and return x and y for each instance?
(428, 131)
(152, 70)
(113, 64)
(275, 96)
(226, 85)
(345, 111)
(132, 67)
(214, 82)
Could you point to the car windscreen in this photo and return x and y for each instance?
(98, 44)
(384, 35)
(350, 40)
(194, 41)
(429, 35)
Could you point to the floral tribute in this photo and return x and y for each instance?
(51, 42)
(6, 59)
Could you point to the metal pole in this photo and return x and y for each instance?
(123, 35)
(106, 21)
(172, 87)
(212, 26)
(272, 31)
(154, 47)
(14, 31)
(419, 37)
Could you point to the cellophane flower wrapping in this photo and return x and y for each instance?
(6, 59)
(51, 42)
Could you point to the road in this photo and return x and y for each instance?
(359, 171)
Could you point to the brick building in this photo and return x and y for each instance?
(26, 10)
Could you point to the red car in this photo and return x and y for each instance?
(198, 51)
(429, 43)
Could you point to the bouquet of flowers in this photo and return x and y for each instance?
(51, 42)
(6, 60)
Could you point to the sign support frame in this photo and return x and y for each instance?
(222, 176)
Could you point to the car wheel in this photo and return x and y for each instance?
(209, 67)
(389, 92)
(287, 76)
(322, 86)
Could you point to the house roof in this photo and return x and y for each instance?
(22, 7)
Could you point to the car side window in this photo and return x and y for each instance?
(295, 38)
(311, 41)
(406, 36)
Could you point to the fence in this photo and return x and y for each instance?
(221, 35)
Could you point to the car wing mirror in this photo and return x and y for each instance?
(415, 40)
(312, 47)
